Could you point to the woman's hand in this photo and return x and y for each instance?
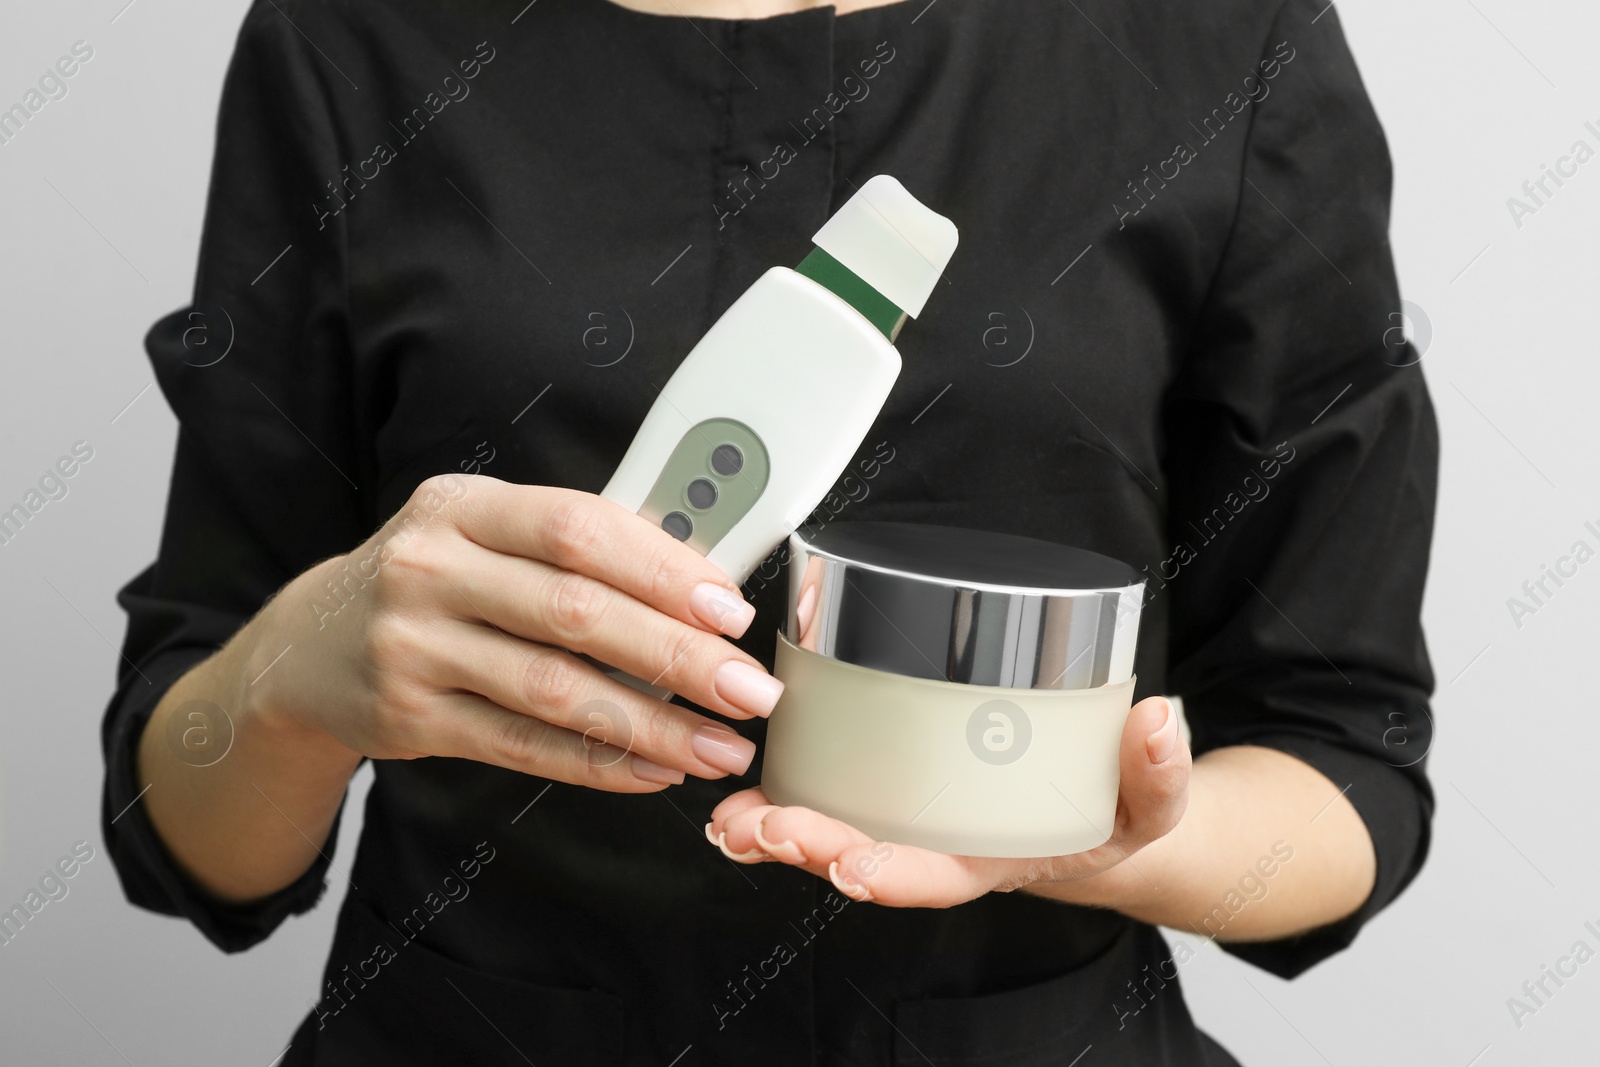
(1155, 767)
(453, 632)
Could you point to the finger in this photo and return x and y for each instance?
(736, 802)
(747, 850)
(797, 836)
(581, 532)
(861, 867)
(467, 726)
(1155, 775)
(553, 685)
(541, 602)
(903, 876)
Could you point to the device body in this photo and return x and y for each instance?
(792, 377)
(768, 409)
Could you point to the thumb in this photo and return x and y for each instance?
(1155, 774)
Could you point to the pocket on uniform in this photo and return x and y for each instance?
(387, 1000)
(1046, 1024)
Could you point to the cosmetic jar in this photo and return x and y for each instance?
(959, 690)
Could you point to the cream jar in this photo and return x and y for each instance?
(958, 690)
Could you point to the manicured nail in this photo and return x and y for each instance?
(650, 771)
(751, 688)
(725, 750)
(1164, 740)
(720, 609)
(721, 842)
(856, 891)
(787, 851)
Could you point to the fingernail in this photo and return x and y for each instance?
(720, 609)
(650, 771)
(751, 688)
(722, 748)
(787, 851)
(857, 892)
(1164, 740)
(737, 857)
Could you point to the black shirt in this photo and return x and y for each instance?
(478, 236)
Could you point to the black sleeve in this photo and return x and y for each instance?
(264, 479)
(1302, 448)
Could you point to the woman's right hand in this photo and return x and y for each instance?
(452, 632)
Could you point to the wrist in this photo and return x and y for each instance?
(1129, 884)
(273, 664)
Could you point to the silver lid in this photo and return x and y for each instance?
(970, 606)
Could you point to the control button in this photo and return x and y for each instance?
(727, 460)
(702, 493)
(678, 525)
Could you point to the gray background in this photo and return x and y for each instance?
(100, 204)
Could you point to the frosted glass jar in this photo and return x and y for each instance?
(958, 690)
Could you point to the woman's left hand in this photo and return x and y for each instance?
(1155, 767)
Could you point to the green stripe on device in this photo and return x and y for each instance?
(854, 290)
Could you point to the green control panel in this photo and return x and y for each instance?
(711, 481)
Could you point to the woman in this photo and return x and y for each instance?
(451, 251)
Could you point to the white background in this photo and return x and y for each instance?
(100, 206)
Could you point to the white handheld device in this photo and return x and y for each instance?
(766, 411)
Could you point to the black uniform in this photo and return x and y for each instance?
(1169, 334)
